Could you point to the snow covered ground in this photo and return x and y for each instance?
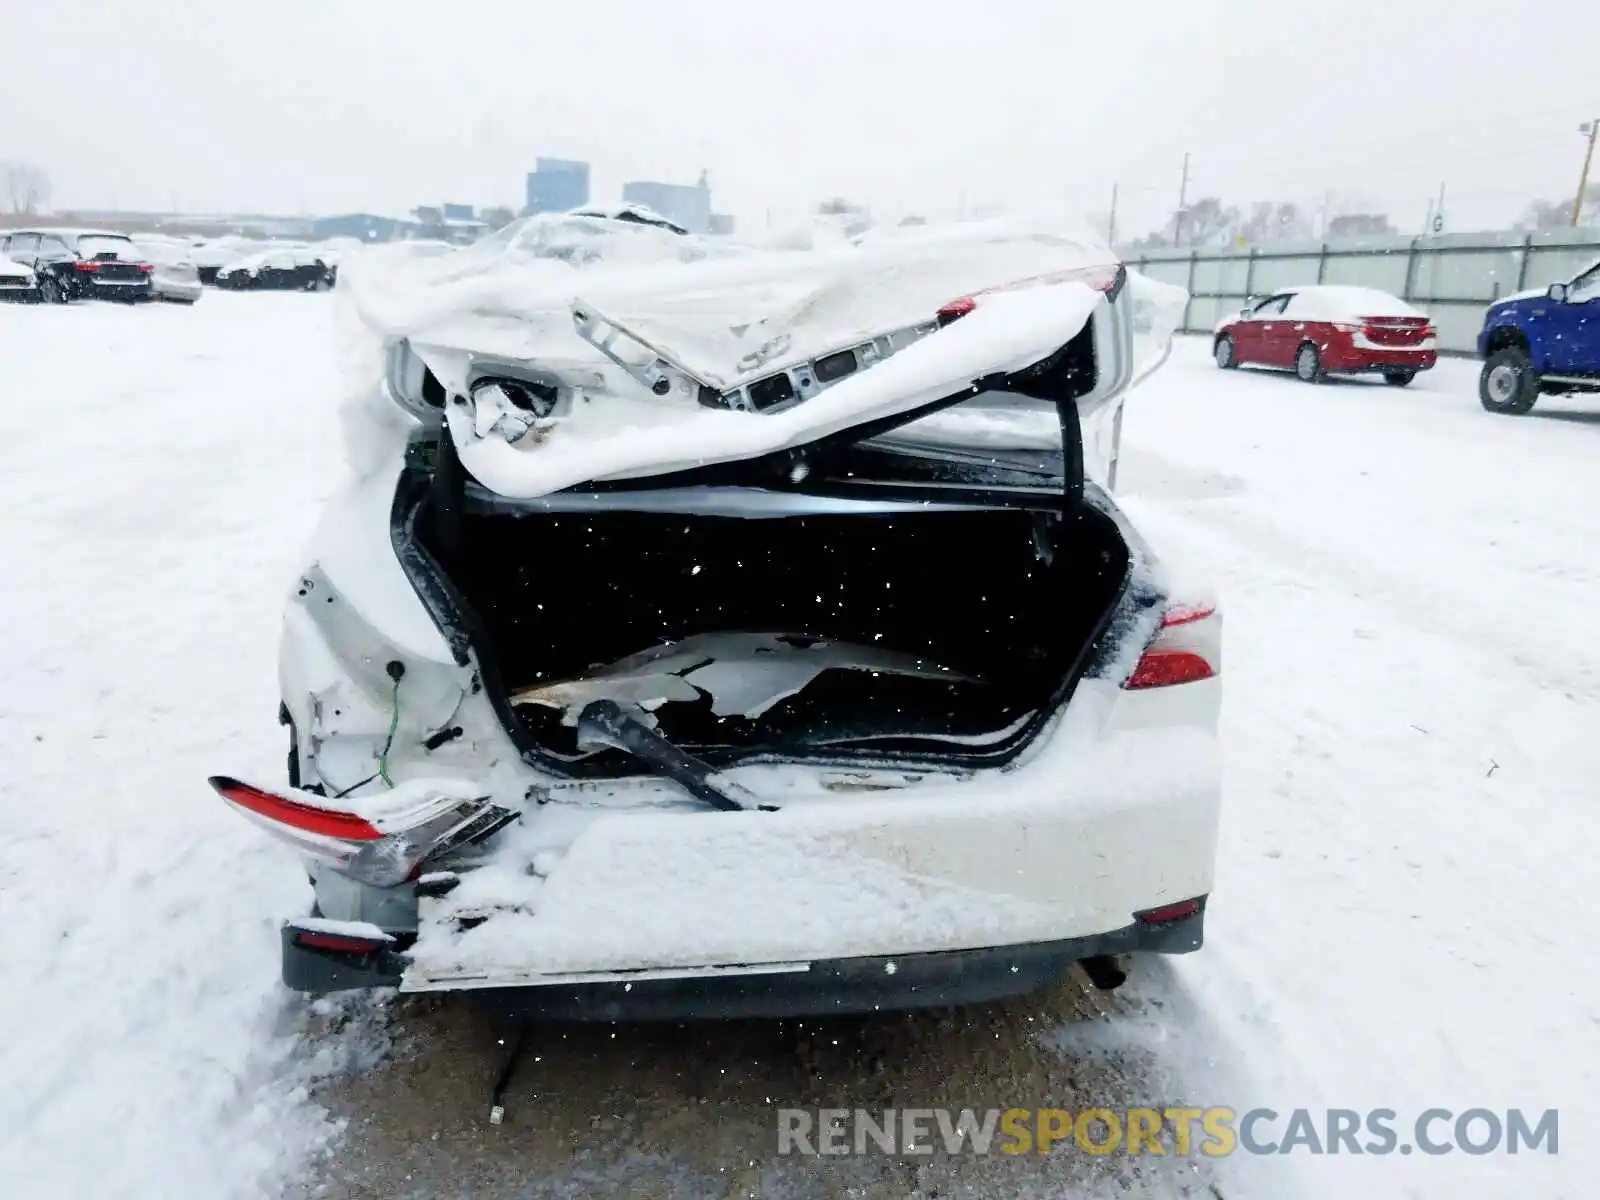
(159, 468)
(1404, 909)
(1403, 917)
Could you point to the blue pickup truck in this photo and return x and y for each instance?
(1541, 343)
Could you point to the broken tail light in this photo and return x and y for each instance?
(1105, 279)
(380, 848)
(1186, 649)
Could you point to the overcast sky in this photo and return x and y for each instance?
(379, 105)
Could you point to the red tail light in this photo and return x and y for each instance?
(955, 309)
(325, 822)
(1164, 668)
(86, 266)
(337, 942)
(1168, 913)
(1396, 331)
(1101, 279)
(146, 267)
(1186, 649)
(1187, 614)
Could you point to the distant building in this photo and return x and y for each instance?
(459, 212)
(689, 206)
(496, 217)
(557, 185)
(434, 221)
(366, 226)
(721, 224)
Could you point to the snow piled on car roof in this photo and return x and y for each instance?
(1334, 302)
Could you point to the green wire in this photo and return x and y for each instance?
(394, 723)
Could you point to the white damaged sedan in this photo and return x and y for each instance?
(722, 631)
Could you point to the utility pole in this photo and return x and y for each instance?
(1111, 231)
(1592, 128)
(1438, 212)
(1183, 198)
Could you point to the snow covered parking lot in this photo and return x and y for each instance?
(1402, 920)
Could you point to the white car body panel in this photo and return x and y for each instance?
(1096, 826)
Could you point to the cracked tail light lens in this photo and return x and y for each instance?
(381, 851)
(1186, 649)
(303, 818)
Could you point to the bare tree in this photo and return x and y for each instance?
(1275, 221)
(1557, 214)
(26, 186)
(1209, 222)
(1361, 225)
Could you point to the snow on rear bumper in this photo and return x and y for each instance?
(831, 987)
(1068, 847)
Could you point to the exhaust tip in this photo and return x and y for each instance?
(1104, 972)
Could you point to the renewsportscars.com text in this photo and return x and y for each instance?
(1212, 1132)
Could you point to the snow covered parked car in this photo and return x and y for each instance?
(1330, 330)
(210, 255)
(80, 264)
(174, 277)
(278, 270)
(710, 634)
(18, 282)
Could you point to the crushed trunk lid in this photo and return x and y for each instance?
(548, 375)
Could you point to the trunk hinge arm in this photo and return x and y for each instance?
(605, 723)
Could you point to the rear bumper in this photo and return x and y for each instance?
(832, 987)
(133, 290)
(176, 291)
(1358, 362)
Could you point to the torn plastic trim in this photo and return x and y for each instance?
(741, 674)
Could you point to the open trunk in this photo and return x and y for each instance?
(940, 633)
(886, 587)
(898, 601)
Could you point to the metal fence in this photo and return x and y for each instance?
(1452, 277)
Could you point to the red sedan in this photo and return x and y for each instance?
(1321, 331)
